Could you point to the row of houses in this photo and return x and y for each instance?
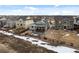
(41, 23)
(18, 23)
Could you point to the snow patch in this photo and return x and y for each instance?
(62, 49)
(77, 34)
(6, 33)
(11, 30)
(67, 34)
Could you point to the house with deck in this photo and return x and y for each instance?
(40, 26)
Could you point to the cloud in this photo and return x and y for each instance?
(66, 12)
(31, 10)
(24, 11)
(27, 11)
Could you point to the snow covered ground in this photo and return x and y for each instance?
(77, 34)
(59, 49)
(67, 34)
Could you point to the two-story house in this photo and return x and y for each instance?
(3, 21)
(24, 23)
(64, 22)
(40, 26)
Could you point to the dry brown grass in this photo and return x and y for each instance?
(21, 46)
(59, 37)
(19, 30)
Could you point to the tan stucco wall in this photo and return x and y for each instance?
(20, 24)
(28, 23)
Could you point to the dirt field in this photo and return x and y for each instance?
(15, 45)
(62, 37)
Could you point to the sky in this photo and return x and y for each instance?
(39, 9)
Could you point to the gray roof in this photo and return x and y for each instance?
(40, 23)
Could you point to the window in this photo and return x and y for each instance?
(32, 26)
(65, 22)
(21, 24)
(17, 24)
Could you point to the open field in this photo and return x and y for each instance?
(10, 44)
(62, 37)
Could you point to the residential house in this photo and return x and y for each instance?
(10, 23)
(2, 21)
(51, 21)
(24, 23)
(64, 22)
(28, 22)
(40, 26)
(20, 23)
(76, 20)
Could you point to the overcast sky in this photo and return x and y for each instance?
(39, 9)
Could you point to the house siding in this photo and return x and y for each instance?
(20, 23)
(28, 23)
(64, 22)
